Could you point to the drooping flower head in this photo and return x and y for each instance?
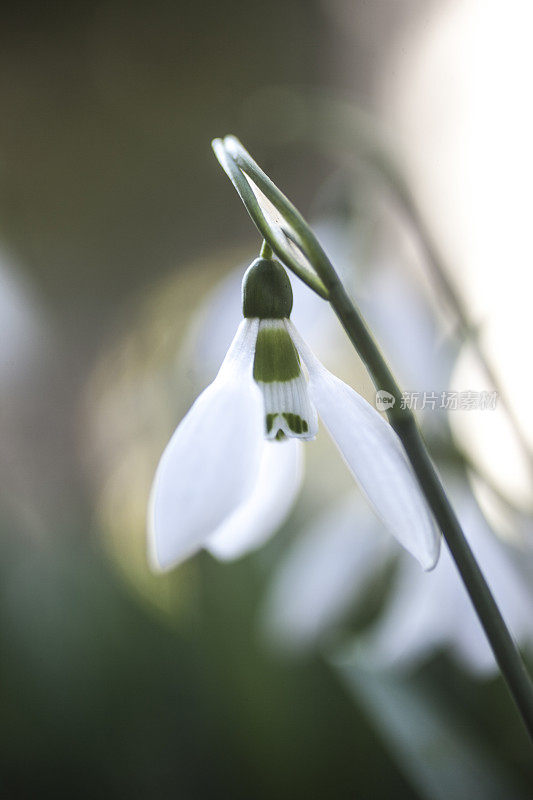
(232, 469)
(267, 296)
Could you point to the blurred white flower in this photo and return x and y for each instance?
(228, 476)
(331, 565)
(326, 571)
(423, 616)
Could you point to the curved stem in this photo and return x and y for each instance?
(234, 158)
(279, 239)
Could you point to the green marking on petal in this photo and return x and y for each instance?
(296, 423)
(280, 436)
(276, 357)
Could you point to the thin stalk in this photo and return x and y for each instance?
(236, 161)
(266, 250)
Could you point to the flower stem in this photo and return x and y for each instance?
(266, 250)
(314, 267)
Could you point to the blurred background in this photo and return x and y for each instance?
(307, 668)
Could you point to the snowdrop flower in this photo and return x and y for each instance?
(232, 469)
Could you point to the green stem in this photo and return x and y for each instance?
(236, 161)
(266, 250)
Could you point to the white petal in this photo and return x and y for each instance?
(375, 456)
(211, 460)
(267, 506)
